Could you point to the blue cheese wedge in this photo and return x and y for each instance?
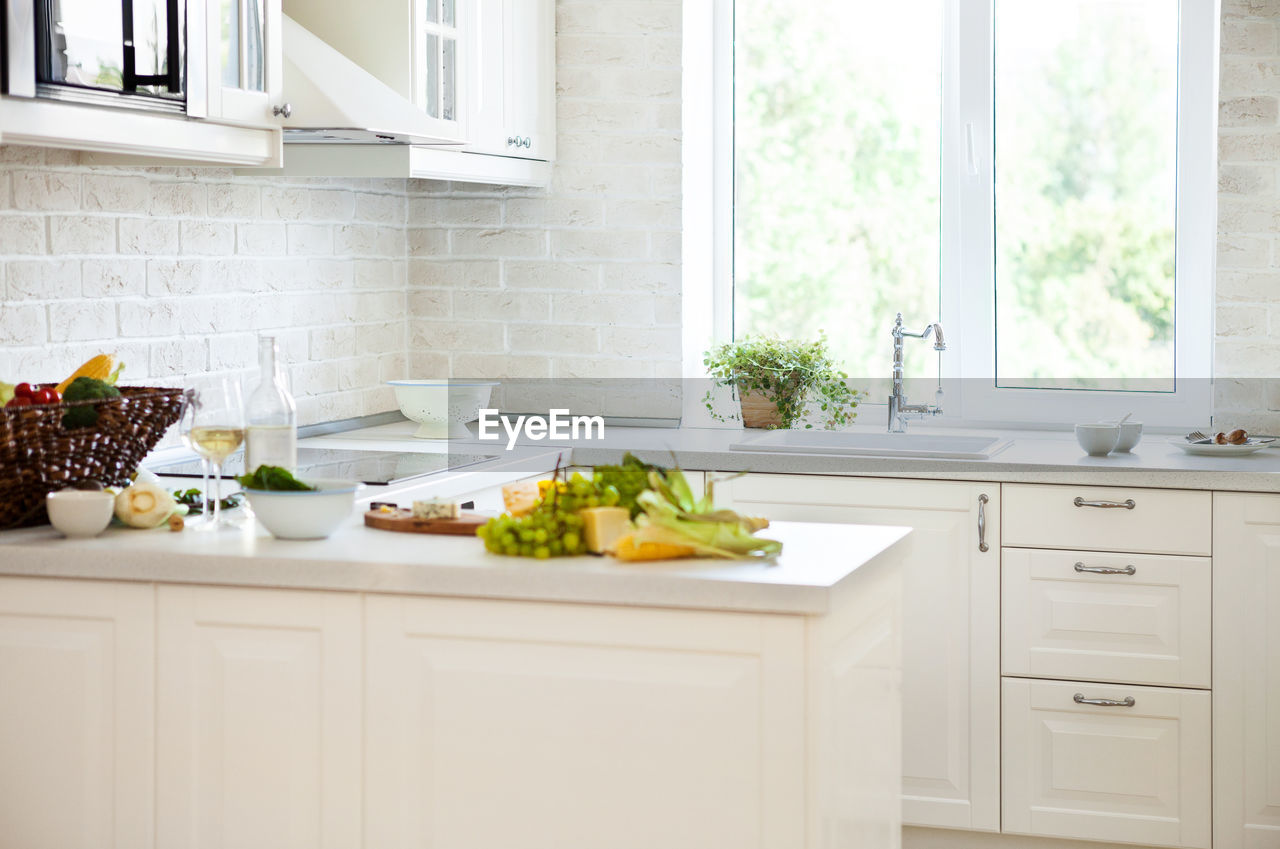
(436, 509)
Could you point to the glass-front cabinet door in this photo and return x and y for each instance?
(244, 62)
(437, 45)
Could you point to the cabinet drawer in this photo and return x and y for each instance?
(1061, 620)
(1160, 521)
(1135, 774)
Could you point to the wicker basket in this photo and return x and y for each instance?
(38, 455)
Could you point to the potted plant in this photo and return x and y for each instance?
(776, 379)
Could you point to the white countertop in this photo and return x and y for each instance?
(816, 558)
(1033, 457)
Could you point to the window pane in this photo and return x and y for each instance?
(1086, 147)
(836, 136)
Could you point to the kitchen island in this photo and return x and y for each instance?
(383, 689)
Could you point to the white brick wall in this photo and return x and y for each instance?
(1247, 344)
(582, 280)
(179, 270)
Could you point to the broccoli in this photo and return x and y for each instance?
(85, 389)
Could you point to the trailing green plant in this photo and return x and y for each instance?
(790, 373)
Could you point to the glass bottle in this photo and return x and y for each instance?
(271, 415)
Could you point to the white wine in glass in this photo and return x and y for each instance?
(212, 423)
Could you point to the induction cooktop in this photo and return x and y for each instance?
(371, 467)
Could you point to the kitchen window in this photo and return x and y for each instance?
(1039, 177)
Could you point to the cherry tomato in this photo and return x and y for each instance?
(46, 396)
(19, 401)
(23, 390)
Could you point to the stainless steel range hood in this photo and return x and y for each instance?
(335, 100)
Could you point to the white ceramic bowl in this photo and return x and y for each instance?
(304, 515)
(1130, 436)
(442, 407)
(80, 513)
(1097, 440)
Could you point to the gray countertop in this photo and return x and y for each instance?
(1032, 457)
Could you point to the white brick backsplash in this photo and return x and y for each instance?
(599, 244)
(175, 277)
(78, 234)
(207, 238)
(179, 357)
(260, 238)
(1248, 267)
(547, 274)
(504, 243)
(78, 321)
(603, 309)
(553, 339)
(22, 235)
(179, 199)
(42, 280)
(115, 192)
(113, 277)
(234, 200)
(330, 205)
(148, 236)
(311, 239)
(46, 190)
(22, 324)
(461, 274)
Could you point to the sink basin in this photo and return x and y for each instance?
(933, 446)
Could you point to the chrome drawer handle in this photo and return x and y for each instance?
(1127, 504)
(1106, 570)
(1127, 701)
(982, 523)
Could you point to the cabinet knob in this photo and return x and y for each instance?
(527, 141)
(283, 111)
(513, 141)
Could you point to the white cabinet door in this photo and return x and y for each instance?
(1135, 773)
(76, 733)
(494, 725)
(951, 631)
(1246, 671)
(511, 78)
(244, 62)
(258, 718)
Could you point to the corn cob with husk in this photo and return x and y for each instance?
(675, 524)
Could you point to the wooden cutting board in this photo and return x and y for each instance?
(402, 520)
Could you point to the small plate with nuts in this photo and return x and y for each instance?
(1235, 443)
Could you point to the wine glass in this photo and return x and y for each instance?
(212, 423)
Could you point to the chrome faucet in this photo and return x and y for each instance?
(899, 409)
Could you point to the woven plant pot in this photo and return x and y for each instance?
(38, 455)
(759, 410)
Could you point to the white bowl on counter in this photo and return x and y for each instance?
(311, 514)
(79, 513)
(442, 408)
(1097, 440)
(1130, 436)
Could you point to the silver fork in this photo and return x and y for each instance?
(1196, 436)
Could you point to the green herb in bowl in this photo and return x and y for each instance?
(273, 479)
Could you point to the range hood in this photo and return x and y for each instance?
(335, 100)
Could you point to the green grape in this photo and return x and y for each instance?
(556, 547)
(526, 535)
(542, 552)
(571, 541)
(593, 501)
(610, 496)
(540, 536)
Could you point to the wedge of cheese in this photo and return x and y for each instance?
(520, 497)
(603, 526)
(436, 509)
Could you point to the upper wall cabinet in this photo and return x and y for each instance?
(512, 67)
(413, 47)
(482, 71)
(244, 68)
(191, 80)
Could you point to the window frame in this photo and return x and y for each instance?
(967, 223)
